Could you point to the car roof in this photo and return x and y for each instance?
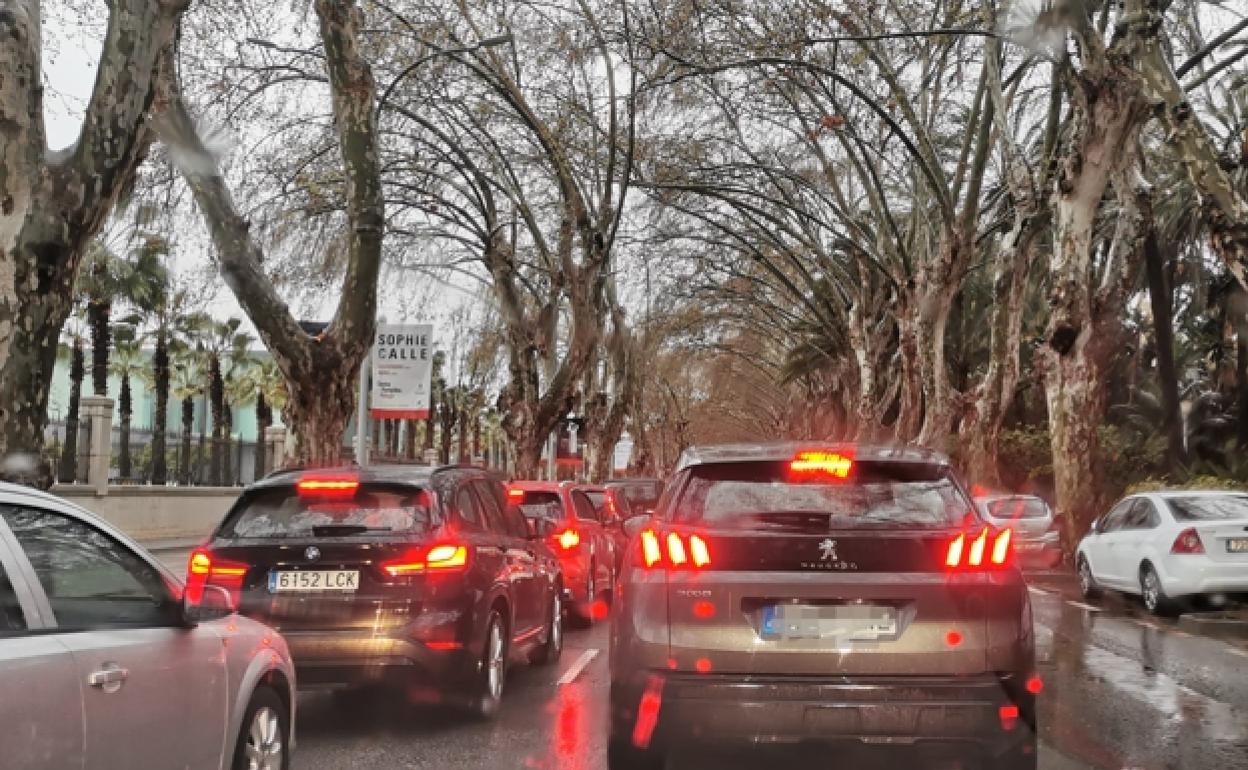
(783, 450)
(1170, 494)
(994, 497)
(383, 474)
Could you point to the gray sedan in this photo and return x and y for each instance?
(108, 661)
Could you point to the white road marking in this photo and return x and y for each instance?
(577, 667)
(1237, 651)
(1035, 590)
(1083, 606)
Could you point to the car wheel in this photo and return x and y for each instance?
(585, 612)
(492, 673)
(1155, 599)
(550, 651)
(622, 755)
(264, 737)
(1087, 583)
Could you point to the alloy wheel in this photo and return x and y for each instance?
(494, 663)
(264, 749)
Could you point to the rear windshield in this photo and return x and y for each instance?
(542, 505)
(373, 510)
(1212, 508)
(599, 499)
(1018, 508)
(641, 494)
(761, 496)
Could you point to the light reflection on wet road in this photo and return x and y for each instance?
(1121, 692)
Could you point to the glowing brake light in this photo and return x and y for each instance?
(650, 552)
(569, 539)
(821, 464)
(999, 553)
(438, 558)
(1188, 542)
(515, 495)
(205, 569)
(327, 486)
(678, 550)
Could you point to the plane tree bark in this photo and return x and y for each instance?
(321, 371)
(53, 203)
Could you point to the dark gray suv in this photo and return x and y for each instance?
(846, 595)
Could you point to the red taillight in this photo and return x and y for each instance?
(1009, 716)
(327, 486)
(986, 550)
(568, 539)
(438, 558)
(650, 553)
(680, 551)
(204, 569)
(821, 464)
(1035, 685)
(1188, 541)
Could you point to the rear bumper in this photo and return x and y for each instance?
(350, 657)
(1038, 554)
(897, 711)
(1187, 575)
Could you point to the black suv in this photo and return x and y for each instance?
(421, 578)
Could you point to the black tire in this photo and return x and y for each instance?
(583, 614)
(487, 696)
(1087, 583)
(1154, 594)
(252, 733)
(552, 648)
(622, 755)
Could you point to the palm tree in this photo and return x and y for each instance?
(187, 383)
(68, 470)
(127, 362)
(239, 391)
(223, 344)
(174, 331)
(270, 393)
(104, 279)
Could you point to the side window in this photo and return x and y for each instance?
(1143, 515)
(12, 619)
(1114, 519)
(91, 580)
(515, 521)
(584, 508)
(469, 511)
(493, 512)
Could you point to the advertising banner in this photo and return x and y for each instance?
(402, 362)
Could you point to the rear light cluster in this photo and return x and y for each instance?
(1188, 541)
(439, 558)
(206, 569)
(986, 549)
(568, 539)
(673, 550)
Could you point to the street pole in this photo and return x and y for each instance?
(550, 457)
(361, 414)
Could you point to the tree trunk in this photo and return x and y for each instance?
(1241, 382)
(160, 425)
(69, 452)
(188, 429)
(1160, 298)
(409, 448)
(264, 419)
(227, 439)
(463, 437)
(124, 407)
(528, 459)
(910, 407)
(98, 313)
(321, 404)
(216, 399)
(1075, 391)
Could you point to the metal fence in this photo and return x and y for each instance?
(187, 462)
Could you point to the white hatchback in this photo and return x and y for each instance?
(1168, 547)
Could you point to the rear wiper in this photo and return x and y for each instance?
(330, 530)
(797, 519)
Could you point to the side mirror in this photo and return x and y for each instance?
(205, 603)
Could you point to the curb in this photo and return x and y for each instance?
(1224, 624)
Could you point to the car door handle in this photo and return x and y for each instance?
(108, 678)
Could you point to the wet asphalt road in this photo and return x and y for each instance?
(1122, 690)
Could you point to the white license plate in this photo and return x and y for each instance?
(850, 622)
(1237, 545)
(314, 580)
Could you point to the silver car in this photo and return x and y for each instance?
(108, 661)
(1037, 532)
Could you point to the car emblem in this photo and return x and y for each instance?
(827, 550)
(312, 554)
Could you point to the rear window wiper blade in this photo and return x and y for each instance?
(329, 530)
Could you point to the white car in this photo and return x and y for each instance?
(108, 661)
(1168, 547)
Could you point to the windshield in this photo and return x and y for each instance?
(1017, 508)
(762, 495)
(1210, 508)
(542, 505)
(374, 509)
